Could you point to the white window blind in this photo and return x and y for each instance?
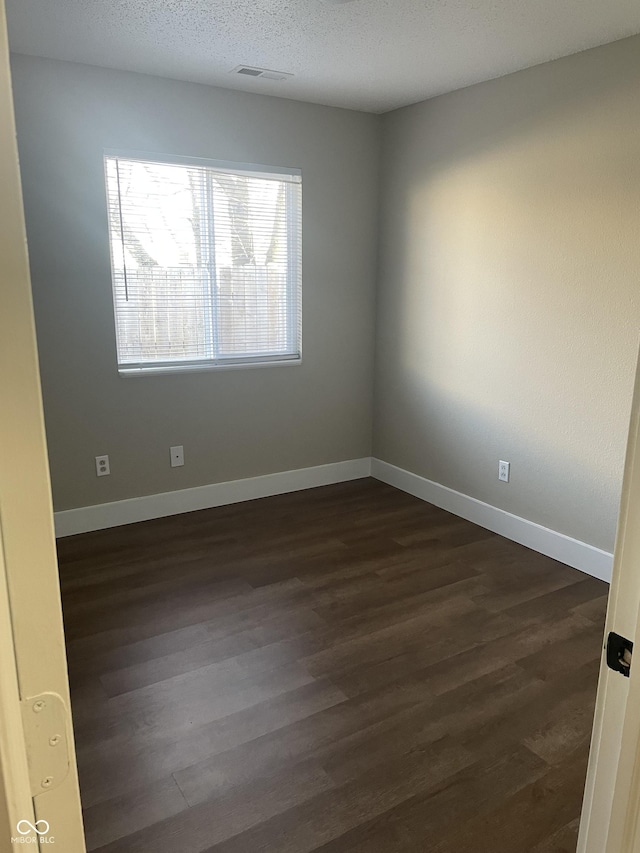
(206, 263)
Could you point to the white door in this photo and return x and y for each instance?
(39, 795)
(611, 806)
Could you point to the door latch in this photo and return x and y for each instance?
(619, 652)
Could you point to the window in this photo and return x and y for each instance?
(206, 263)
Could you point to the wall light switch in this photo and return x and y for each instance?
(177, 456)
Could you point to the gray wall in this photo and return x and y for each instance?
(508, 307)
(508, 302)
(234, 423)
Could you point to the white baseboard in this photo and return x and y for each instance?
(101, 516)
(593, 561)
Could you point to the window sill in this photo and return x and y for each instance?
(165, 370)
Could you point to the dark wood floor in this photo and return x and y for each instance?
(345, 670)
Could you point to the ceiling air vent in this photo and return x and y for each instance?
(268, 74)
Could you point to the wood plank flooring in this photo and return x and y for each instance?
(343, 670)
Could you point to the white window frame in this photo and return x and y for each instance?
(294, 278)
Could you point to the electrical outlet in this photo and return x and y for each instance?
(177, 456)
(102, 466)
(503, 471)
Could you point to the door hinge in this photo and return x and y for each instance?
(46, 723)
(619, 653)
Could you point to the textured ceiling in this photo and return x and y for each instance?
(371, 55)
